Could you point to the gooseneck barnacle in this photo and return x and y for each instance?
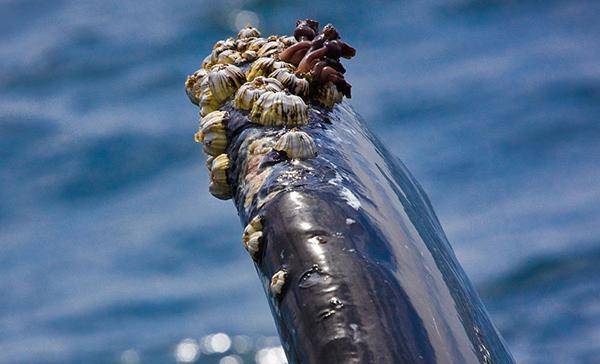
(318, 54)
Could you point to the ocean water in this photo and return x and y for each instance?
(112, 250)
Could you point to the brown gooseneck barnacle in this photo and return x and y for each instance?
(318, 54)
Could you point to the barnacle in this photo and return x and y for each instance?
(229, 56)
(297, 145)
(221, 82)
(228, 43)
(306, 31)
(222, 191)
(224, 80)
(319, 54)
(324, 73)
(249, 56)
(260, 67)
(252, 236)
(279, 109)
(271, 47)
(277, 282)
(265, 65)
(207, 102)
(218, 176)
(328, 95)
(212, 133)
(249, 92)
(220, 116)
(192, 85)
(222, 52)
(248, 32)
(296, 85)
(256, 43)
(287, 40)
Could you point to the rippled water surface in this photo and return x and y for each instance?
(112, 251)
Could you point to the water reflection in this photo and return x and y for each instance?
(273, 355)
(216, 343)
(222, 348)
(130, 356)
(187, 351)
(231, 359)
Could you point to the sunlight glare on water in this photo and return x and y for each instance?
(271, 355)
(187, 351)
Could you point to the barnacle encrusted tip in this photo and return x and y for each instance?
(271, 81)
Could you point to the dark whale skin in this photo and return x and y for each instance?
(371, 277)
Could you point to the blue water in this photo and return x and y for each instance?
(112, 250)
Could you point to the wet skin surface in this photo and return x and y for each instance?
(370, 276)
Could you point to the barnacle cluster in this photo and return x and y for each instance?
(275, 83)
(252, 237)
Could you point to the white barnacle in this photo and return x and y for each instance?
(224, 80)
(277, 282)
(218, 176)
(279, 109)
(212, 133)
(207, 102)
(228, 43)
(218, 171)
(221, 82)
(253, 244)
(192, 85)
(271, 47)
(255, 225)
(252, 237)
(221, 46)
(282, 64)
(249, 92)
(261, 67)
(249, 56)
(221, 116)
(229, 56)
(328, 95)
(256, 43)
(207, 62)
(297, 145)
(296, 85)
(248, 32)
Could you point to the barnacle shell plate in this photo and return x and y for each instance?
(297, 145)
(279, 109)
